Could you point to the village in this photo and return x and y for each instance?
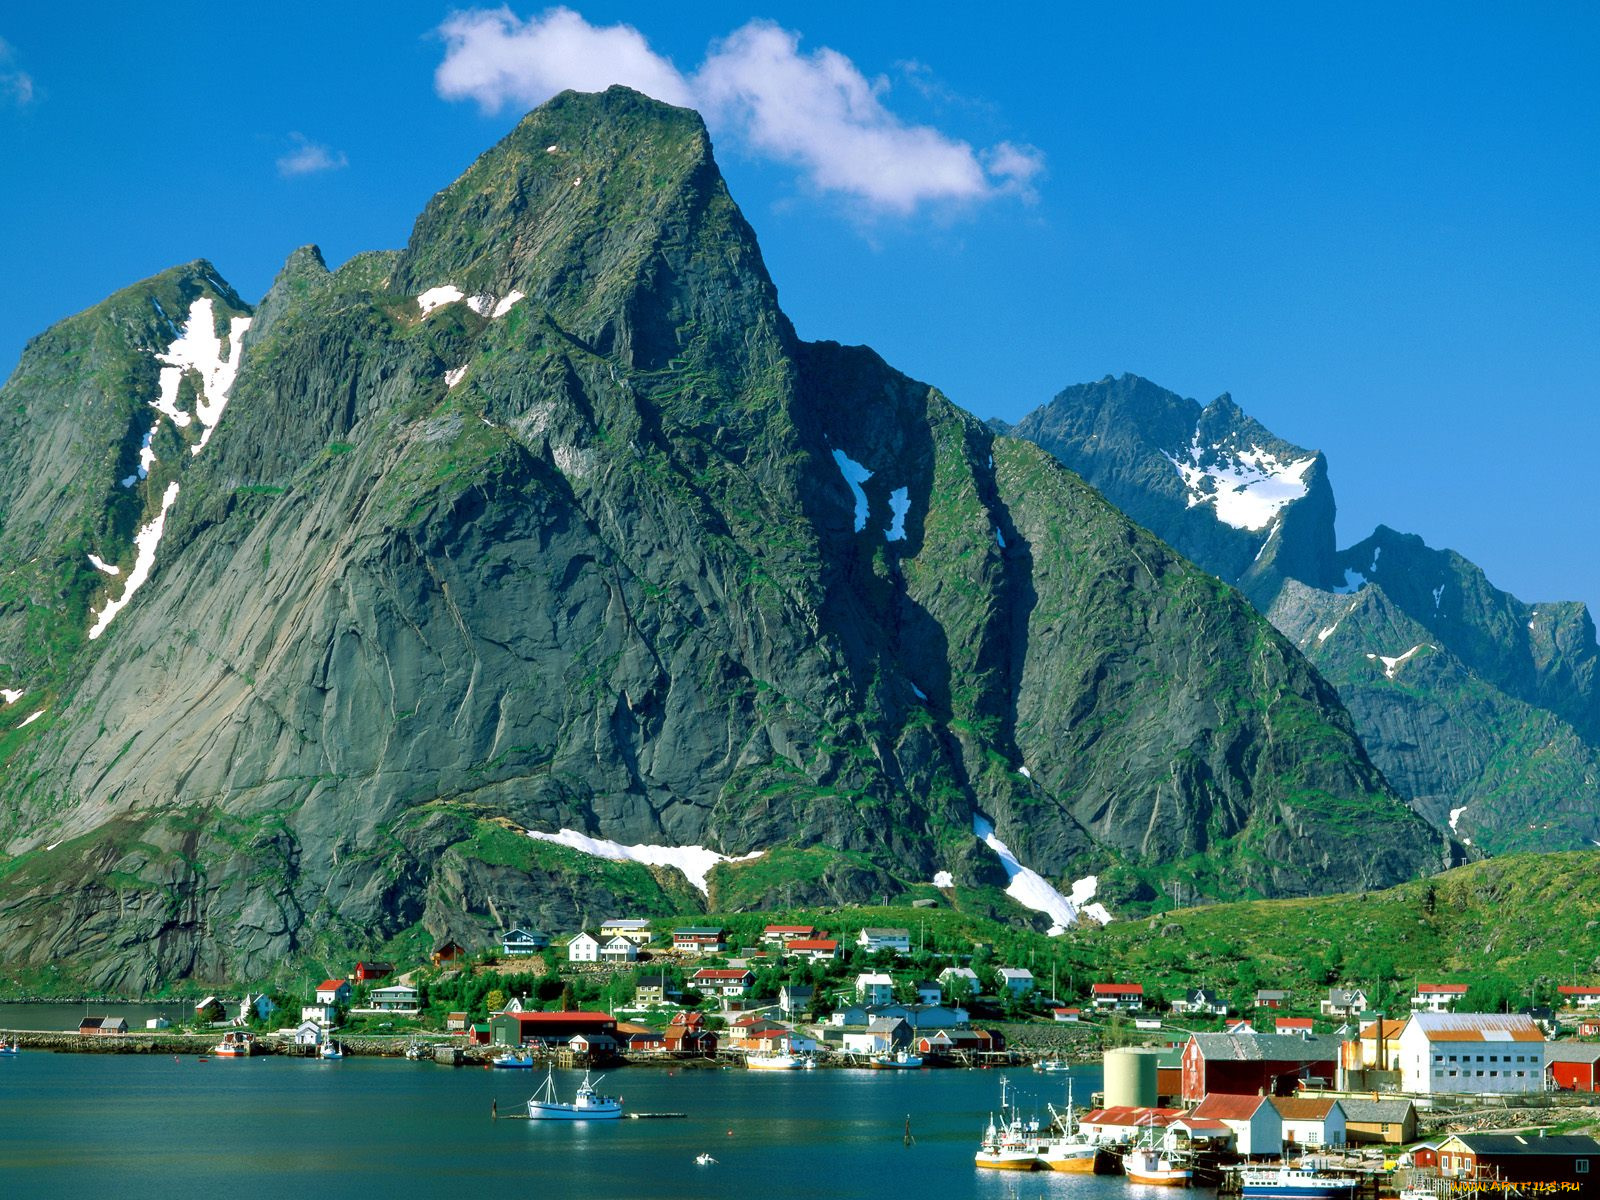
(1427, 1097)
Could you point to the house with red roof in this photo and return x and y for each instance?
(1256, 1125)
(686, 1033)
(1251, 1064)
(813, 949)
(1127, 996)
(1579, 995)
(333, 991)
(548, 1028)
(1437, 997)
(1121, 1123)
(1293, 1025)
(1310, 1122)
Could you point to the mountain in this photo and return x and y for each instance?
(1481, 709)
(550, 525)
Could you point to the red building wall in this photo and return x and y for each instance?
(1572, 1076)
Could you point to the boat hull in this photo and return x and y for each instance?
(1007, 1161)
(1291, 1191)
(567, 1112)
(1074, 1164)
(772, 1062)
(1158, 1178)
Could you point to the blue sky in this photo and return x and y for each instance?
(1379, 230)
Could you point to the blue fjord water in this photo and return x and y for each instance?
(144, 1127)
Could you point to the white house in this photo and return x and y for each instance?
(1345, 1002)
(950, 976)
(319, 1014)
(874, 987)
(1016, 980)
(1574, 995)
(898, 940)
(1471, 1052)
(881, 1035)
(1201, 1000)
(308, 1033)
(256, 1006)
(157, 1023)
(1311, 1122)
(333, 991)
(1255, 1122)
(585, 948)
(1437, 997)
(619, 949)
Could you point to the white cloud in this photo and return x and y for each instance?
(814, 111)
(15, 85)
(308, 157)
(496, 59)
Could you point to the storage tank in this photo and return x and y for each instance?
(1131, 1077)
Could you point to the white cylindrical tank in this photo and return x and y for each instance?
(1131, 1077)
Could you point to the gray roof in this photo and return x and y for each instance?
(1578, 1052)
(1376, 1112)
(1266, 1047)
(1518, 1143)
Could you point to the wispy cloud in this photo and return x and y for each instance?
(308, 157)
(16, 85)
(816, 111)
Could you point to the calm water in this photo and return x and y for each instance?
(134, 1126)
(57, 1017)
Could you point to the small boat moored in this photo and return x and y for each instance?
(513, 1060)
(1295, 1183)
(331, 1052)
(1007, 1144)
(900, 1060)
(587, 1105)
(1148, 1163)
(235, 1044)
(705, 1160)
(9, 1048)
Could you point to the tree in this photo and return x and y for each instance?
(495, 1000)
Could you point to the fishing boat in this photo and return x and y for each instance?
(235, 1044)
(705, 1159)
(1295, 1183)
(587, 1105)
(1148, 1163)
(772, 1062)
(9, 1048)
(513, 1060)
(418, 1051)
(332, 1052)
(1007, 1144)
(900, 1060)
(1052, 1066)
(1070, 1149)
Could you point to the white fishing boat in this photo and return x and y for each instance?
(705, 1160)
(587, 1105)
(513, 1060)
(332, 1052)
(1295, 1183)
(780, 1061)
(1069, 1148)
(1148, 1163)
(235, 1044)
(900, 1060)
(1052, 1066)
(1007, 1145)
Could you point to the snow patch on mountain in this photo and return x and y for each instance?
(31, 718)
(943, 879)
(695, 862)
(100, 564)
(199, 349)
(505, 304)
(854, 475)
(1246, 487)
(1455, 815)
(438, 297)
(1027, 887)
(144, 545)
(1391, 665)
(10, 695)
(451, 378)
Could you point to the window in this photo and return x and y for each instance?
(1580, 1166)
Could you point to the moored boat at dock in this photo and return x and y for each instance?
(1068, 1148)
(513, 1060)
(900, 1060)
(1007, 1145)
(1295, 1183)
(773, 1062)
(235, 1044)
(1148, 1163)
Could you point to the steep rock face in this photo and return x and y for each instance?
(1216, 484)
(550, 522)
(1478, 707)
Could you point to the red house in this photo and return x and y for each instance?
(687, 1034)
(1292, 1024)
(1271, 1064)
(1571, 1066)
(1118, 995)
(373, 970)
